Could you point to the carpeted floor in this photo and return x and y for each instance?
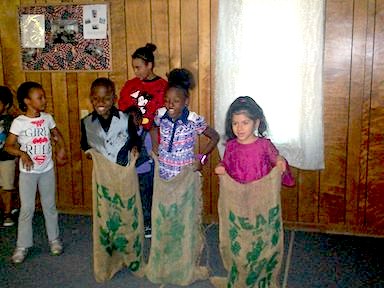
(311, 260)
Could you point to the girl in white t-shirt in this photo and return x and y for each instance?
(30, 138)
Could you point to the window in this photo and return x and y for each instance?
(272, 50)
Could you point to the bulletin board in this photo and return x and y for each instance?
(65, 37)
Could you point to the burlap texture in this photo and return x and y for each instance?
(177, 238)
(117, 218)
(250, 232)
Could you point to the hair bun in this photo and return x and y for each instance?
(181, 78)
(150, 46)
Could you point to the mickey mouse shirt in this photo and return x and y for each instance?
(34, 137)
(148, 95)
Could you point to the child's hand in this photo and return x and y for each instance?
(54, 138)
(220, 170)
(155, 149)
(26, 160)
(281, 164)
(197, 166)
(135, 153)
(61, 157)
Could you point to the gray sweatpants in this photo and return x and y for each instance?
(28, 184)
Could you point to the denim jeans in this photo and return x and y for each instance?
(146, 193)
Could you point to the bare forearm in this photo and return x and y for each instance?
(58, 138)
(154, 132)
(209, 147)
(12, 147)
(213, 140)
(13, 150)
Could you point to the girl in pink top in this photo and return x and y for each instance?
(248, 155)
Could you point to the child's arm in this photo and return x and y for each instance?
(154, 132)
(61, 155)
(281, 163)
(11, 146)
(286, 174)
(214, 139)
(83, 140)
(220, 169)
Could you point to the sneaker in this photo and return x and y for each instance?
(19, 255)
(147, 232)
(56, 247)
(14, 211)
(8, 222)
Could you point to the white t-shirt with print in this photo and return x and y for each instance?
(34, 137)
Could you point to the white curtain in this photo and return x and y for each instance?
(272, 50)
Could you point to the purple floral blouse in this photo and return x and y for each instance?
(249, 162)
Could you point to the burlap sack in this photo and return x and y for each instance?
(250, 232)
(177, 238)
(117, 218)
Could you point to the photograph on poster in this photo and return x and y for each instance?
(32, 29)
(64, 31)
(95, 24)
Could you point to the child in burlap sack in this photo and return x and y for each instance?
(109, 131)
(251, 234)
(110, 139)
(176, 208)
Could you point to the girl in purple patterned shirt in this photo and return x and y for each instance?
(180, 127)
(248, 155)
(177, 238)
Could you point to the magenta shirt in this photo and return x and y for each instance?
(249, 162)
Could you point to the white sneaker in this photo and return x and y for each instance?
(56, 247)
(19, 255)
(147, 232)
(8, 222)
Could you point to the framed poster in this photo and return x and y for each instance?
(65, 37)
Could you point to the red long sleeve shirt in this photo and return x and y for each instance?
(148, 95)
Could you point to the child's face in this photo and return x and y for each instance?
(175, 101)
(3, 108)
(141, 68)
(244, 127)
(102, 100)
(36, 100)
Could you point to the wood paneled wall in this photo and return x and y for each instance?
(345, 197)
(182, 31)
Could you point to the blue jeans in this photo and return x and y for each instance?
(28, 184)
